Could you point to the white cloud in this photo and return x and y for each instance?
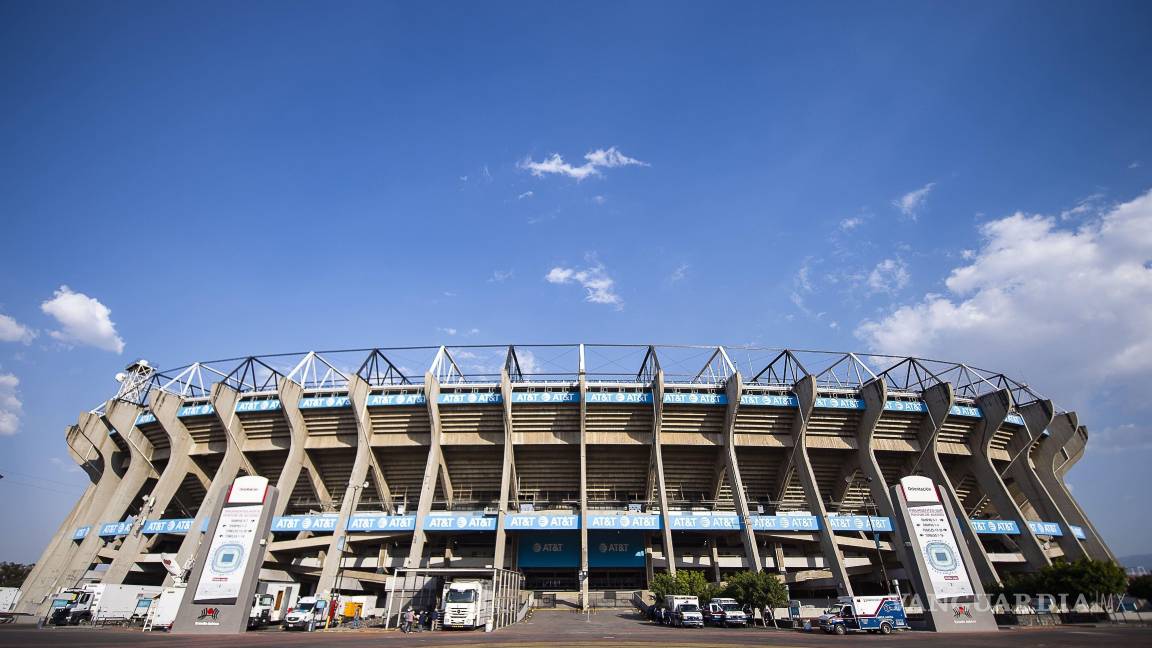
(446, 330)
(1126, 437)
(1089, 206)
(84, 320)
(889, 276)
(679, 273)
(13, 331)
(594, 162)
(1070, 307)
(10, 406)
(910, 203)
(500, 276)
(527, 361)
(851, 223)
(1135, 164)
(600, 288)
(599, 200)
(526, 194)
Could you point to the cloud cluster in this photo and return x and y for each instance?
(889, 276)
(83, 320)
(594, 161)
(13, 331)
(600, 288)
(1069, 307)
(910, 203)
(10, 406)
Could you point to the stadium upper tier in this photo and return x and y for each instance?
(695, 366)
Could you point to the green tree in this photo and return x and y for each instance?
(1141, 587)
(757, 589)
(1095, 580)
(684, 583)
(13, 574)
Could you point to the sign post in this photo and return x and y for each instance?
(940, 566)
(227, 568)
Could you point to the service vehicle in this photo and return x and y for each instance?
(100, 602)
(308, 613)
(688, 615)
(261, 614)
(725, 612)
(672, 601)
(467, 604)
(881, 614)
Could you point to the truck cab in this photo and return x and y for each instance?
(308, 613)
(261, 614)
(71, 607)
(881, 614)
(463, 601)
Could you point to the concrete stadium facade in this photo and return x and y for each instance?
(586, 467)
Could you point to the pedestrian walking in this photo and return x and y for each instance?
(409, 620)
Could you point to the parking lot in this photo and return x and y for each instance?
(548, 629)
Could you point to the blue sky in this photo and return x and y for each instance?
(967, 181)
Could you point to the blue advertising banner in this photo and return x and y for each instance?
(1015, 419)
(541, 522)
(548, 550)
(470, 398)
(619, 398)
(319, 402)
(297, 523)
(693, 398)
(384, 400)
(146, 417)
(710, 522)
(840, 403)
(81, 533)
(367, 523)
(784, 522)
(905, 406)
(179, 526)
(864, 523)
(768, 400)
(619, 521)
(546, 397)
(263, 405)
(989, 527)
(965, 410)
(114, 529)
(615, 549)
(462, 522)
(1077, 532)
(195, 410)
(1045, 528)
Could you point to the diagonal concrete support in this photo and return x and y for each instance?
(995, 406)
(431, 472)
(41, 581)
(658, 460)
(166, 488)
(733, 390)
(1062, 430)
(358, 394)
(290, 392)
(939, 399)
(1037, 416)
(506, 470)
(805, 392)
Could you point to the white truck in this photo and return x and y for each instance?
(684, 611)
(99, 602)
(726, 612)
(261, 614)
(467, 604)
(309, 613)
(881, 614)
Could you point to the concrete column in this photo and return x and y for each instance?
(117, 502)
(41, 580)
(222, 397)
(431, 472)
(583, 386)
(995, 407)
(805, 392)
(658, 460)
(939, 399)
(875, 394)
(505, 471)
(171, 479)
(1037, 416)
(733, 390)
(361, 465)
(358, 393)
(1062, 430)
(224, 400)
(290, 393)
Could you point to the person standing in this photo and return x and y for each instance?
(409, 619)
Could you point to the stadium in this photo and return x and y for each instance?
(586, 468)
